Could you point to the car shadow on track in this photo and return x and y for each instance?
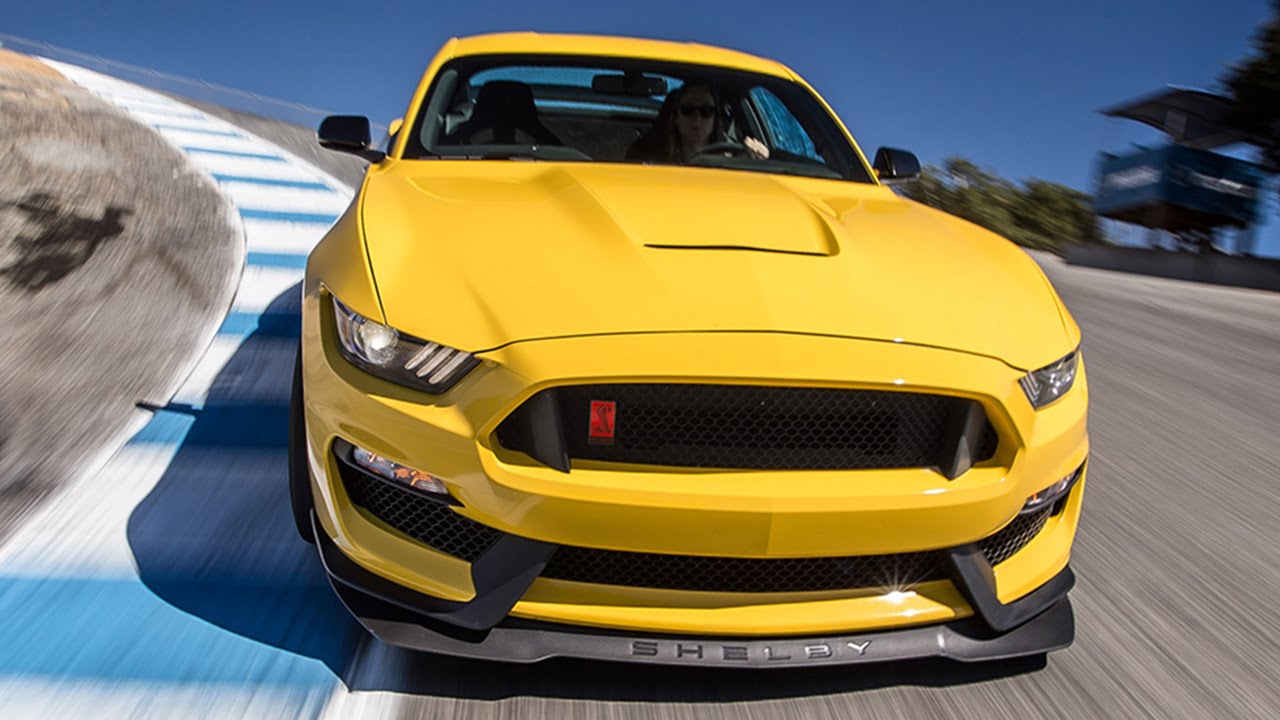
(215, 539)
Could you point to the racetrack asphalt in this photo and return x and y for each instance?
(1176, 558)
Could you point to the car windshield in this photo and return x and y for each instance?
(583, 109)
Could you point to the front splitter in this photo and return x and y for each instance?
(521, 641)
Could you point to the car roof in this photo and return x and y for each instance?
(607, 46)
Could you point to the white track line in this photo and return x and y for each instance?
(248, 195)
(270, 236)
(261, 286)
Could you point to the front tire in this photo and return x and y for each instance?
(300, 498)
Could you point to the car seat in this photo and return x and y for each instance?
(504, 114)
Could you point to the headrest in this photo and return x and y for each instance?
(505, 96)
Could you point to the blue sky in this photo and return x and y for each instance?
(1011, 84)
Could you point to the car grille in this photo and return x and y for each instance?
(437, 525)
(1014, 536)
(750, 427)
(751, 575)
(743, 575)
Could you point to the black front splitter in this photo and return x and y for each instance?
(527, 642)
(401, 617)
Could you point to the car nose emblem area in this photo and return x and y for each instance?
(603, 422)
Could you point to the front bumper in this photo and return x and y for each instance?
(734, 514)
(480, 628)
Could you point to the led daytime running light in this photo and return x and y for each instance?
(1053, 493)
(398, 473)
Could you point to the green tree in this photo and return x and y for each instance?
(1049, 214)
(1254, 84)
(1039, 214)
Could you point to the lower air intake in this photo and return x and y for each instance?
(437, 525)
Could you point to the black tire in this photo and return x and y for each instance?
(299, 473)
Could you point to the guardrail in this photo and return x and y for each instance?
(1248, 272)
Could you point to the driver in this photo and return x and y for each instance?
(689, 120)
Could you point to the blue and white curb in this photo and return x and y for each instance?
(159, 582)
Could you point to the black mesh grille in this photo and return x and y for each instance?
(1014, 536)
(743, 575)
(748, 575)
(987, 445)
(750, 427)
(428, 521)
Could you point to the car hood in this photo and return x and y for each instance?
(479, 254)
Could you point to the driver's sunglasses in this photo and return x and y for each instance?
(706, 111)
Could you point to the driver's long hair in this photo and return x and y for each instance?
(662, 142)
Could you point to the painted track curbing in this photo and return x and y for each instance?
(98, 586)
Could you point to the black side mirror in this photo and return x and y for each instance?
(349, 134)
(894, 166)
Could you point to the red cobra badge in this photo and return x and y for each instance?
(603, 413)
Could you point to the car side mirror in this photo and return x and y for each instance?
(348, 134)
(893, 165)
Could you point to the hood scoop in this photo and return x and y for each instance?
(753, 212)
(781, 224)
(756, 248)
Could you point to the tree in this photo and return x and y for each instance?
(1049, 214)
(1254, 84)
(1040, 214)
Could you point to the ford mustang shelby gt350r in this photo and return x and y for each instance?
(624, 351)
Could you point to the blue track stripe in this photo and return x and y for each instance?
(277, 325)
(119, 630)
(201, 131)
(233, 153)
(165, 427)
(220, 425)
(286, 216)
(277, 260)
(152, 110)
(238, 324)
(231, 427)
(271, 182)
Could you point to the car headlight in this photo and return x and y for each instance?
(1050, 382)
(391, 355)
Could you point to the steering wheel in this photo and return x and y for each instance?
(727, 146)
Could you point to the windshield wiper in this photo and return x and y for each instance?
(509, 152)
(530, 154)
(765, 165)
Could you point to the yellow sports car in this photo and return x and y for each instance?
(624, 351)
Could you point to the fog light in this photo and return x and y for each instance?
(396, 472)
(1053, 493)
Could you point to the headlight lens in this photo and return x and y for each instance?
(391, 355)
(1050, 382)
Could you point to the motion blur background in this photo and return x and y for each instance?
(154, 216)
